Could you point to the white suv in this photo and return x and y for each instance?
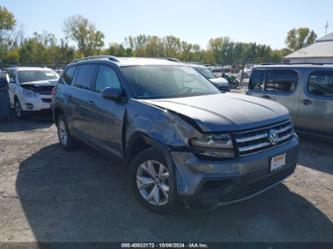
(30, 88)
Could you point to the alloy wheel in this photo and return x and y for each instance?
(62, 132)
(152, 180)
(18, 110)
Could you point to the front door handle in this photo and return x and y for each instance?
(91, 102)
(307, 102)
(69, 95)
(266, 97)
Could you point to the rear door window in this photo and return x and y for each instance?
(85, 76)
(320, 83)
(257, 80)
(281, 81)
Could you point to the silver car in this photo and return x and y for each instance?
(306, 90)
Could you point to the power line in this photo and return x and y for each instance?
(326, 27)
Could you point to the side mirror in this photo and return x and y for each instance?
(115, 94)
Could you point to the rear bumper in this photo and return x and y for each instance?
(223, 182)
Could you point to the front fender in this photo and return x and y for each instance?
(158, 125)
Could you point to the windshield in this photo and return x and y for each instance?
(36, 75)
(165, 81)
(205, 72)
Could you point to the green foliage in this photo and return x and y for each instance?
(45, 49)
(7, 19)
(89, 40)
(299, 38)
(225, 51)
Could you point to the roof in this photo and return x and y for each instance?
(131, 61)
(295, 66)
(29, 68)
(328, 37)
(322, 48)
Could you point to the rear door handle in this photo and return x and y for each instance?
(307, 102)
(266, 96)
(91, 102)
(69, 95)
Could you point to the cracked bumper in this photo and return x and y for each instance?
(219, 182)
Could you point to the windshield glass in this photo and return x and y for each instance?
(165, 81)
(206, 72)
(36, 75)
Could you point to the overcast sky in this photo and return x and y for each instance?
(264, 22)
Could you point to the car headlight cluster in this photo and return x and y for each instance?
(29, 93)
(214, 146)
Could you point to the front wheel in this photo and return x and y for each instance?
(18, 109)
(153, 180)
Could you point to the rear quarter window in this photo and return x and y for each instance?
(320, 83)
(68, 75)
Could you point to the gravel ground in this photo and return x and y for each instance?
(47, 194)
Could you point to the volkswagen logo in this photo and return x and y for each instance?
(273, 137)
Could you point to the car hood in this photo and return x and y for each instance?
(40, 83)
(219, 81)
(225, 112)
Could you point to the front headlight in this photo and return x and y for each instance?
(216, 146)
(29, 93)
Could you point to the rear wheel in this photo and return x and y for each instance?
(153, 180)
(65, 138)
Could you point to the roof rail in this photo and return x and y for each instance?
(173, 59)
(109, 57)
(296, 63)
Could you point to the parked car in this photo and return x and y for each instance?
(30, 89)
(306, 90)
(221, 83)
(181, 136)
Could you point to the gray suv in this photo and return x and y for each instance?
(306, 90)
(181, 136)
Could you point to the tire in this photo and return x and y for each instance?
(66, 140)
(155, 189)
(18, 109)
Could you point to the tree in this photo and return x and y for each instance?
(7, 19)
(7, 25)
(299, 38)
(89, 40)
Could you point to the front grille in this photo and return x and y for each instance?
(44, 89)
(46, 100)
(255, 140)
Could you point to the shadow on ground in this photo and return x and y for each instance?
(85, 196)
(317, 155)
(31, 122)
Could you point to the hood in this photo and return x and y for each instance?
(219, 81)
(225, 112)
(40, 83)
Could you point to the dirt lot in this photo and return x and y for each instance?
(47, 194)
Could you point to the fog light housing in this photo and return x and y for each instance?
(29, 106)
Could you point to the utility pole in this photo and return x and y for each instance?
(326, 27)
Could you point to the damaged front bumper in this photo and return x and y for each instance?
(210, 182)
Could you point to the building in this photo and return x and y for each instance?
(319, 52)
